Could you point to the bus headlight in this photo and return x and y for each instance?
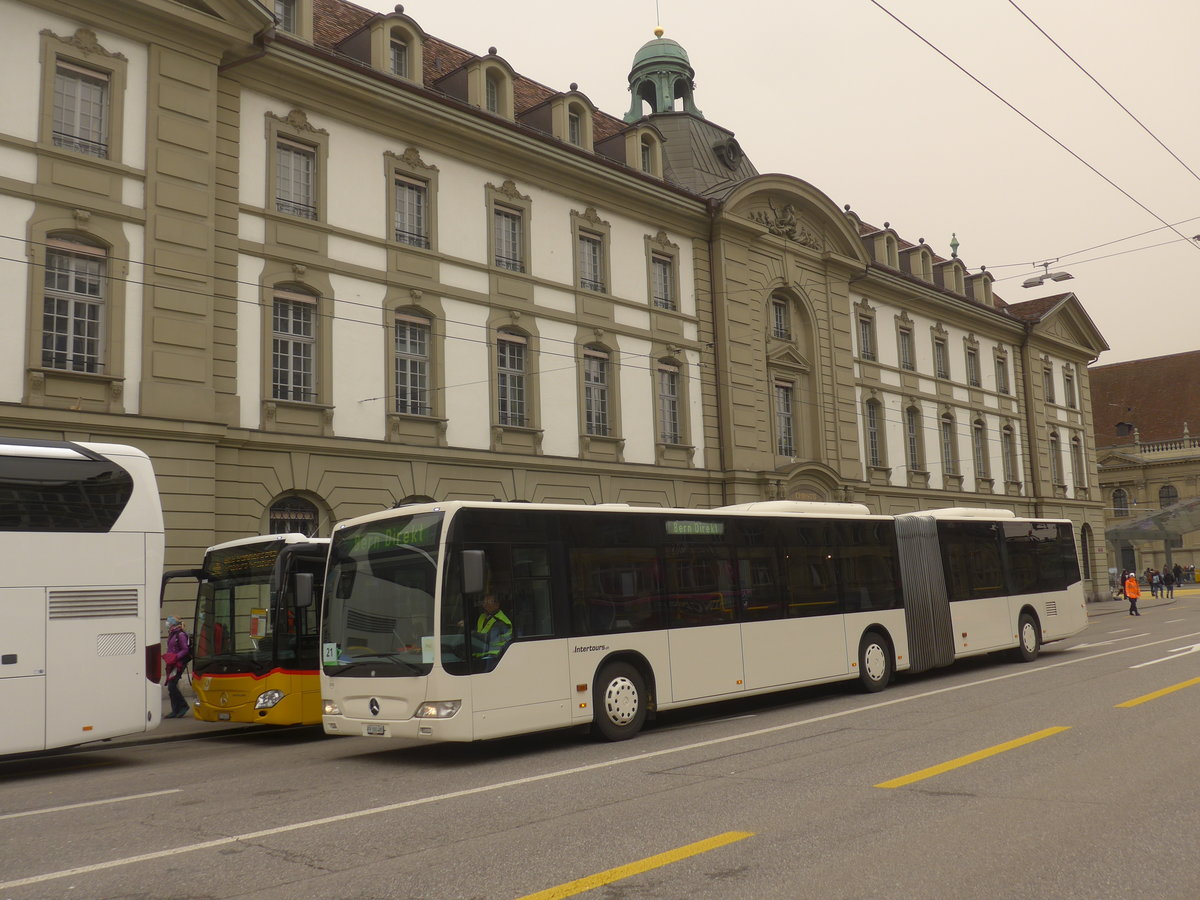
(438, 709)
(268, 699)
(329, 708)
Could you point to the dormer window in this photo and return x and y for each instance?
(647, 156)
(574, 128)
(492, 89)
(396, 47)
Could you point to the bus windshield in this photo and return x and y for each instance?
(379, 609)
(234, 621)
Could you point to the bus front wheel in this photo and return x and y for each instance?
(1029, 640)
(618, 702)
(874, 662)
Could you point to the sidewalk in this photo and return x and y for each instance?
(1145, 602)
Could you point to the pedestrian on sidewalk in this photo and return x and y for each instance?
(1132, 592)
(1168, 579)
(179, 652)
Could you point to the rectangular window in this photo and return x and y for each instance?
(400, 58)
(295, 180)
(510, 379)
(781, 326)
(507, 227)
(591, 262)
(412, 223)
(874, 456)
(1048, 382)
(668, 404)
(785, 443)
(73, 311)
(973, 378)
(595, 392)
(285, 14)
(1001, 375)
(574, 129)
(647, 157)
(663, 281)
(866, 337)
(1056, 472)
(941, 365)
(293, 347)
(1077, 471)
(492, 95)
(1069, 388)
(81, 110)
(906, 350)
(412, 365)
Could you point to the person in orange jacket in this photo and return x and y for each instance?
(1132, 592)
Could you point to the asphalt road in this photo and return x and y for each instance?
(1071, 777)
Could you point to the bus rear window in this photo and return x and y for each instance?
(80, 495)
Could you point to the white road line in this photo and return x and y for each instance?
(560, 773)
(50, 809)
(1172, 621)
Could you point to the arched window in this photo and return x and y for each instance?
(979, 448)
(1008, 452)
(1056, 473)
(73, 309)
(1078, 473)
(1167, 496)
(1120, 503)
(949, 445)
(912, 439)
(293, 515)
(875, 435)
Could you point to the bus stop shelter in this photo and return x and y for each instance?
(1167, 525)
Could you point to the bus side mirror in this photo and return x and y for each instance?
(474, 565)
(302, 585)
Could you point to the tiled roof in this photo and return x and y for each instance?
(1155, 395)
(1033, 310)
(336, 20)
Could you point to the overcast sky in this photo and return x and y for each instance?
(843, 96)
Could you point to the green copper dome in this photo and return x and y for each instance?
(661, 50)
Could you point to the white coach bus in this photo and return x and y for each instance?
(81, 556)
(608, 614)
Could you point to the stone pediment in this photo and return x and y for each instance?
(1113, 460)
(789, 358)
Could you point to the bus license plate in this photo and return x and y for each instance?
(379, 730)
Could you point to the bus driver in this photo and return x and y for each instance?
(493, 632)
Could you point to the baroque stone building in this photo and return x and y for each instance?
(1146, 410)
(321, 262)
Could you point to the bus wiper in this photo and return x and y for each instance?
(343, 668)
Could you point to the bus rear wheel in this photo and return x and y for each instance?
(1029, 639)
(874, 662)
(618, 702)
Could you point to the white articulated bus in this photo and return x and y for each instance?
(81, 555)
(603, 615)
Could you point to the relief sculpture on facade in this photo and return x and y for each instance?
(786, 224)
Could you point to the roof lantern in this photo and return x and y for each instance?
(661, 74)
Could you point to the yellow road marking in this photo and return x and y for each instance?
(571, 888)
(970, 758)
(1146, 698)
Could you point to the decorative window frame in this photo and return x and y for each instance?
(308, 417)
(62, 388)
(589, 224)
(904, 329)
(1048, 387)
(409, 166)
(877, 467)
(939, 337)
(971, 349)
(668, 453)
(82, 50)
(427, 430)
(1010, 457)
(659, 245)
(294, 128)
(601, 447)
(1000, 359)
(865, 314)
(1070, 388)
(981, 460)
(525, 438)
(508, 198)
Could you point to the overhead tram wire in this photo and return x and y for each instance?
(932, 46)
(1107, 92)
(625, 358)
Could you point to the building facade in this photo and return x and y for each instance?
(320, 262)
(1149, 460)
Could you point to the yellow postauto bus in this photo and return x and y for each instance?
(254, 645)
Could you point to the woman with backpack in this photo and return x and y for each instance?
(179, 651)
